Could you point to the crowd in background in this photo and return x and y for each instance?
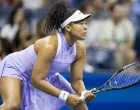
(113, 36)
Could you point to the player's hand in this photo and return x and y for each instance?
(89, 96)
(94, 90)
(74, 100)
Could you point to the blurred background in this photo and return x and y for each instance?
(112, 41)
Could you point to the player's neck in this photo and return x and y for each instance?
(69, 39)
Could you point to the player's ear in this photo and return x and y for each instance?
(68, 28)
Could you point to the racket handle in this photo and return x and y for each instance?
(96, 92)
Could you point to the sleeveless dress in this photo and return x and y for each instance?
(20, 65)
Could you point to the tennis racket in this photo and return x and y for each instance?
(126, 77)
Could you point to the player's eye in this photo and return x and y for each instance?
(83, 22)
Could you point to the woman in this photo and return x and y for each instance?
(30, 78)
(10, 30)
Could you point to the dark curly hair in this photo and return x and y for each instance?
(57, 14)
(13, 13)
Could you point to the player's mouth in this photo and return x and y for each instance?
(85, 33)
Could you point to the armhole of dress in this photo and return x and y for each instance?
(59, 43)
(75, 49)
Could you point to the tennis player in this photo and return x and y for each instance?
(30, 79)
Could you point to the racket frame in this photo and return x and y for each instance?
(109, 81)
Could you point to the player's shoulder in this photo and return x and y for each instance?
(80, 45)
(48, 42)
(80, 49)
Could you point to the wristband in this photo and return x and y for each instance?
(63, 95)
(83, 92)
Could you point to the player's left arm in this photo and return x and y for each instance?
(77, 73)
(77, 68)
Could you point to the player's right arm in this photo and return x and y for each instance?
(46, 51)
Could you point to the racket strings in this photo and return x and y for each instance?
(128, 76)
(131, 77)
(130, 72)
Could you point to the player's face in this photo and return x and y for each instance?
(79, 29)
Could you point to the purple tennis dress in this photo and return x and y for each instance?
(20, 65)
